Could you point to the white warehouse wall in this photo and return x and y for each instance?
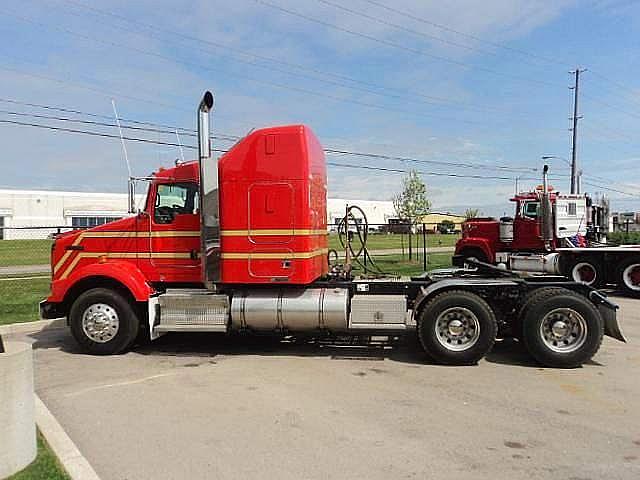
(43, 208)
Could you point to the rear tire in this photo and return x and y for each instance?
(586, 270)
(457, 328)
(628, 276)
(561, 329)
(103, 322)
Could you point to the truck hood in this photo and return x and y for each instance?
(480, 227)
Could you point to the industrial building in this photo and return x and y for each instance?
(44, 211)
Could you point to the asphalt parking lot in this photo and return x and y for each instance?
(197, 406)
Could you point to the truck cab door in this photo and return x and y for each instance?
(173, 234)
(526, 227)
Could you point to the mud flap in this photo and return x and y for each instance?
(608, 311)
(611, 327)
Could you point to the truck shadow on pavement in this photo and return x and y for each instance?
(210, 345)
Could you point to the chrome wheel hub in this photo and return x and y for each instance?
(100, 322)
(563, 330)
(457, 329)
(560, 329)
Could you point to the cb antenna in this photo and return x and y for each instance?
(180, 145)
(124, 146)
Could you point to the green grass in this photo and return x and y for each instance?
(19, 299)
(397, 264)
(45, 466)
(382, 241)
(631, 238)
(24, 252)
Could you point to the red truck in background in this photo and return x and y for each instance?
(240, 245)
(553, 233)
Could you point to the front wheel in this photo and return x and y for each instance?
(103, 322)
(562, 329)
(457, 328)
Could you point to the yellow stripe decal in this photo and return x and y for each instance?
(160, 255)
(273, 232)
(125, 234)
(273, 256)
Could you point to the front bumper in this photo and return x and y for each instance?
(50, 310)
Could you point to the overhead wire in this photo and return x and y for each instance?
(238, 75)
(469, 36)
(170, 129)
(398, 46)
(404, 28)
(404, 94)
(330, 163)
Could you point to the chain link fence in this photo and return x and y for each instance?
(397, 248)
(25, 271)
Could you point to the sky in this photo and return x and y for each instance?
(469, 93)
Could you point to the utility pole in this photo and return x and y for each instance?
(574, 130)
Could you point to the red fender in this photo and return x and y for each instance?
(481, 243)
(125, 273)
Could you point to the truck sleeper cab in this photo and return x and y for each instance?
(240, 245)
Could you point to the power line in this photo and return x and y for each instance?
(172, 144)
(466, 35)
(113, 125)
(612, 189)
(153, 29)
(402, 47)
(170, 129)
(336, 164)
(435, 162)
(95, 134)
(404, 29)
(105, 124)
(245, 77)
(105, 93)
(633, 93)
(437, 174)
(610, 106)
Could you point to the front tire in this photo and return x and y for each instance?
(562, 329)
(457, 328)
(103, 322)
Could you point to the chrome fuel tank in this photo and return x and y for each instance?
(291, 309)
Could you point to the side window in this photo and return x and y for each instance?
(175, 199)
(530, 210)
(572, 209)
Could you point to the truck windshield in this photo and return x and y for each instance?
(175, 199)
(530, 209)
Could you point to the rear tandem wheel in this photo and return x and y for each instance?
(457, 328)
(560, 328)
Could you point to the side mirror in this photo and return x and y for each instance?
(132, 195)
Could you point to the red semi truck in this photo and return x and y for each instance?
(240, 245)
(553, 233)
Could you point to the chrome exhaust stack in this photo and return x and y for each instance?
(209, 203)
(546, 216)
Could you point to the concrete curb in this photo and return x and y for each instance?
(75, 464)
(30, 327)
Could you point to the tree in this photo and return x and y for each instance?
(471, 213)
(412, 204)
